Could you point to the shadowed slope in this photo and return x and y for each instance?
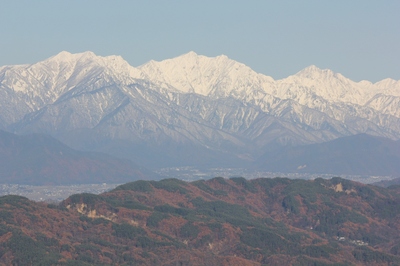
(40, 159)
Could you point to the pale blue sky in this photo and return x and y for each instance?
(360, 39)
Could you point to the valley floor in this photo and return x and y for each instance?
(191, 174)
(51, 193)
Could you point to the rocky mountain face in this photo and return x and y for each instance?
(215, 222)
(190, 110)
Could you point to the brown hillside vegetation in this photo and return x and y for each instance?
(215, 222)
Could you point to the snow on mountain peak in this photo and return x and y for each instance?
(194, 56)
(217, 77)
(117, 64)
(88, 61)
(65, 56)
(389, 86)
(236, 97)
(314, 82)
(204, 75)
(314, 72)
(65, 70)
(386, 83)
(190, 54)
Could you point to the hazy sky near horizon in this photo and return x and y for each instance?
(359, 39)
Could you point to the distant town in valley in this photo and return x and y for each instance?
(57, 193)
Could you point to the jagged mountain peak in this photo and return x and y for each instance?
(311, 68)
(65, 56)
(314, 82)
(88, 56)
(194, 56)
(218, 107)
(80, 64)
(204, 75)
(314, 72)
(315, 76)
(387, 81)
(389, 87)
(190, 54)
(49, 79)
(336, 87)
(193, 59)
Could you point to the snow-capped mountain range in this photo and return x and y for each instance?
(190, 109)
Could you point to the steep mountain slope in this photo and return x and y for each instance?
(322, 92)
(190, 110)
(27, 88)
(215, 222)
(40, 159)
(217, 77)
(135, 114)
(220, 77)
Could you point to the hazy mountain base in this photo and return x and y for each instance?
(38, 159)
(354, 155)
(216, 222)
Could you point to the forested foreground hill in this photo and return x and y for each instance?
(215, 222)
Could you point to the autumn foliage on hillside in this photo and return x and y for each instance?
(215, 222)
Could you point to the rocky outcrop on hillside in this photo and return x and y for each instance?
(215, 222)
